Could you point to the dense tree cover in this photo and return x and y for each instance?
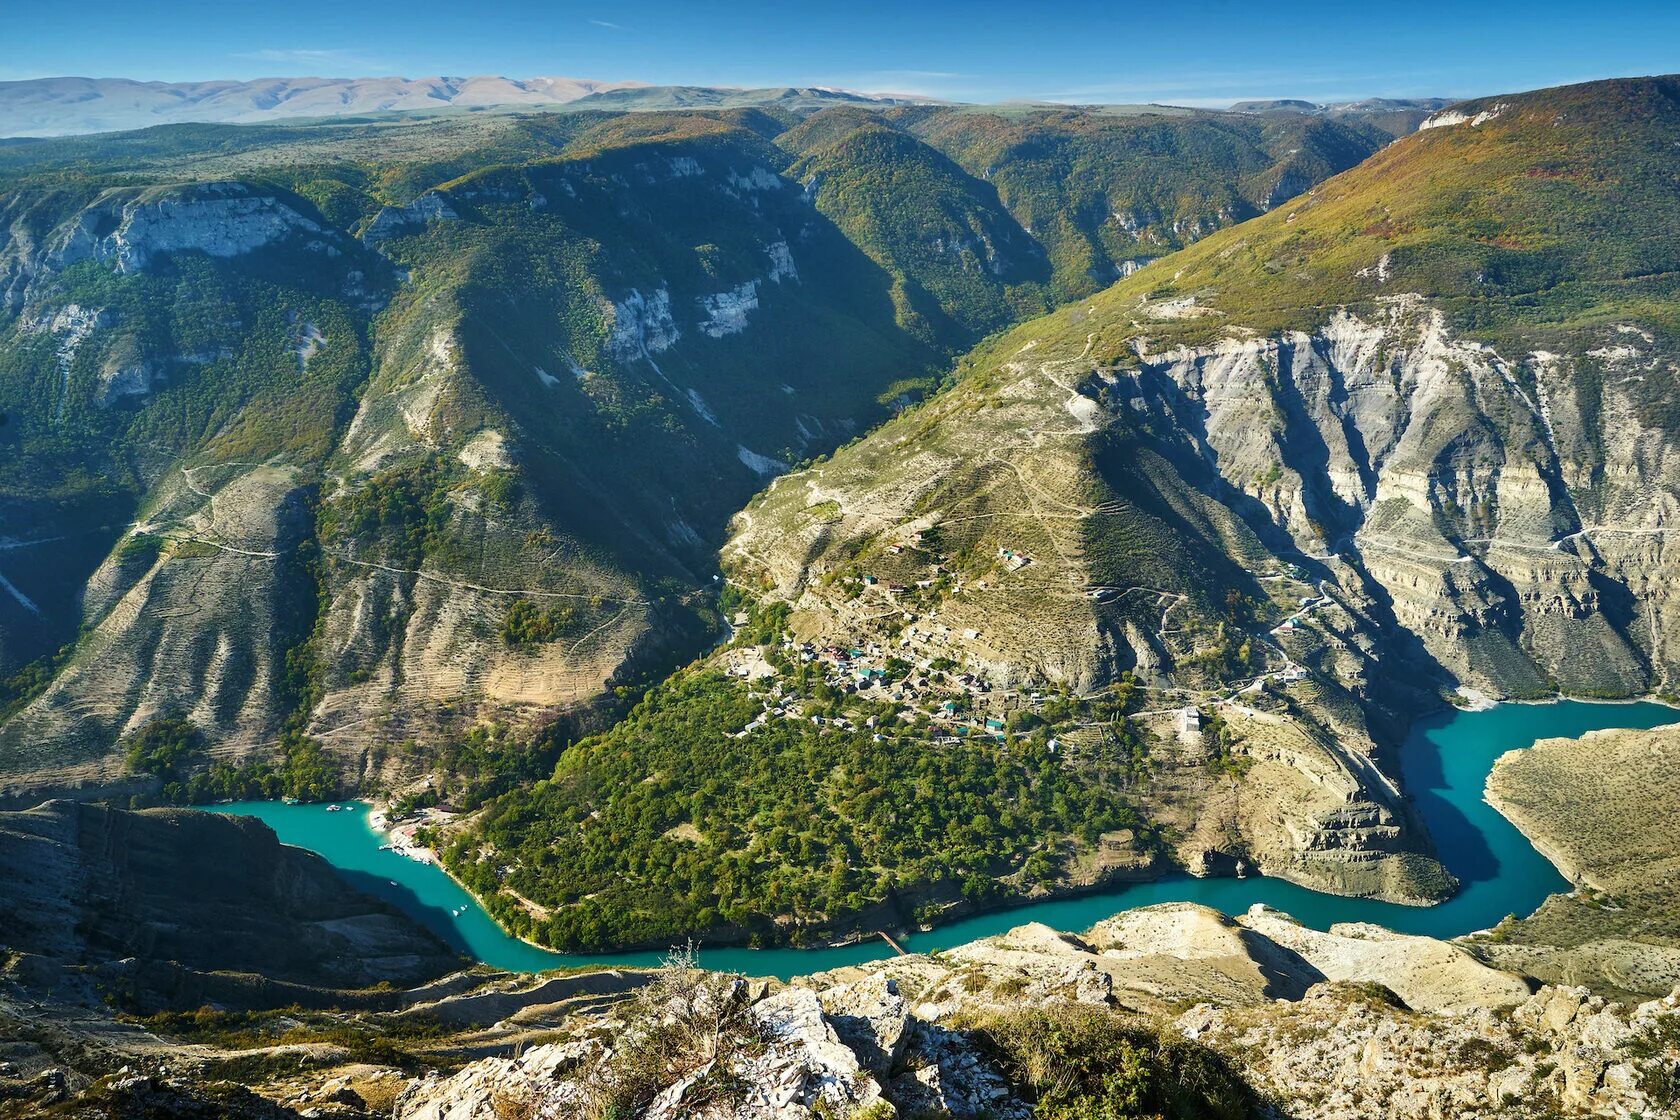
(766, 620)
(398, 515)
(164, 748)
(31, 680)
(961, 265)
(304, 772)
(527, 625)
(669, 824)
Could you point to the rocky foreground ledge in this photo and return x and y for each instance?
(129, 990)
(1357, 1022)
(1168, 1011)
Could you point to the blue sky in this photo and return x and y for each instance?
(1208, 52)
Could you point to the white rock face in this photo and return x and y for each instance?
(642, 325)
(759, 464)
(71, 325)
(781, 262)
(756, 178)
(698, 403)
(220, 219)
(536, 1078)
(125, 373)
(394, 221)
(1449, 117)
(725, 313)
(1467, 479)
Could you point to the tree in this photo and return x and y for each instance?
(166, 747)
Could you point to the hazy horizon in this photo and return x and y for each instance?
(1205, 54)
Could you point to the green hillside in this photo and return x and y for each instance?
(1106, 193)
(1538, 212)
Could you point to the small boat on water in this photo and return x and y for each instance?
(332, 808)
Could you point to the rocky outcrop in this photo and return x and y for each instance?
(1426, 974)
(1310, 1019)
(129, 228)
(1606, 810)
(396, 221)
(1343, 1053)
(642, 325)
(1461, 477)
(805, 1052)
(199, 894)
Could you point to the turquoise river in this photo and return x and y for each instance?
(1445, 762)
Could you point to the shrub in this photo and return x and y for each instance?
(165, 748)
(1085, 1063)
(527, 625)
(685, 1020)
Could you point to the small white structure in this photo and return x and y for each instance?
(1188, 723)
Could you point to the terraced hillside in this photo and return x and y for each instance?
(370, 432)
(1408, 432)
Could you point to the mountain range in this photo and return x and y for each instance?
(67, 106)
(774, 517)
(60, 106)
(443, 373)
(39, 107)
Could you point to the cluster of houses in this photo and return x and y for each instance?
(957, 704)
(1012, 560)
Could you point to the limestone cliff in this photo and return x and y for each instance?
(172, 899)
(1406, 435)
(1605, 809)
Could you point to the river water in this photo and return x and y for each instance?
(1445, 762)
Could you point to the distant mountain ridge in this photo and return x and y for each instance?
(1367, 105)
(64, 106)
(1395, 115)
(68, 106)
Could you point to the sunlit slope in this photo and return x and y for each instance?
(1441, 380)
